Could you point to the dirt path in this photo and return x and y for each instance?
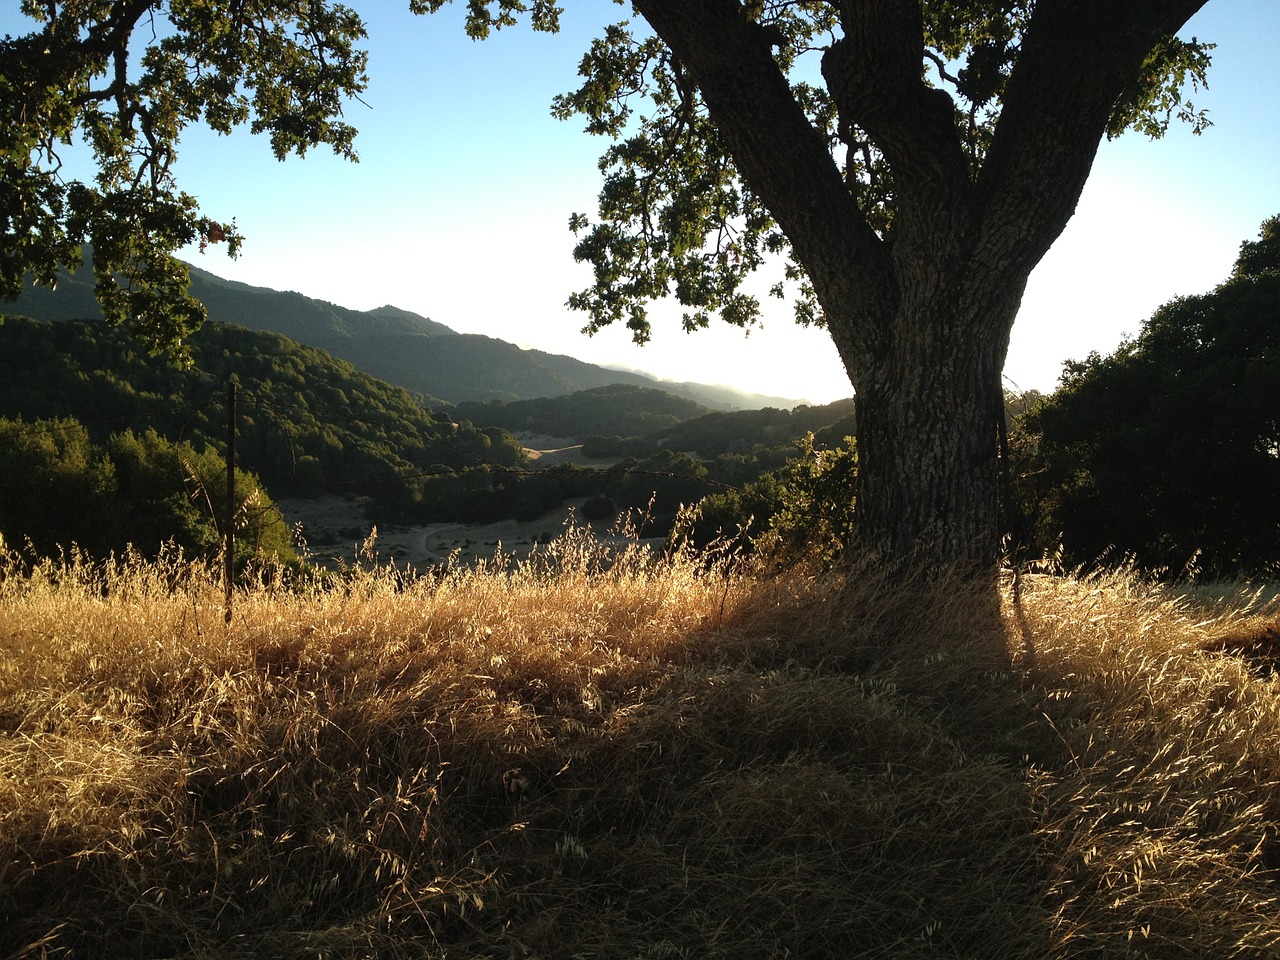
(544, 451)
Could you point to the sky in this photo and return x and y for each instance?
(459, 206)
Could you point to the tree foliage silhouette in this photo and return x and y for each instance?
(1169, 448)
(125, 79)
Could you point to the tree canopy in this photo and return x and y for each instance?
(684, 212)
(1169, 448)
(59, 489)
(909, 160)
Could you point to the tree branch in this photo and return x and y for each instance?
(1076, 60)
(778, 153)
(874, 74)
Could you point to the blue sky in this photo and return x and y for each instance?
(458, 208)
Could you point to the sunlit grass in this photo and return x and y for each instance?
(601, 753)
(1161, 814)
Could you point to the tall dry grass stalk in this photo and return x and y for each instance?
(600, 754)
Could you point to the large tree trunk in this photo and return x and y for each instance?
(928, 429)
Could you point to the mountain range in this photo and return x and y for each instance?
(395, 345)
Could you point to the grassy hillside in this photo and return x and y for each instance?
(609, 757)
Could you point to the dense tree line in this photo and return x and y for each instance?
(60, 488)
(1168, 449)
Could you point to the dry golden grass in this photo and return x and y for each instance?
(611, 756)
(1161, 817)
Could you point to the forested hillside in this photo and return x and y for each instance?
(81, 399)
(305, 418)
(308, 423)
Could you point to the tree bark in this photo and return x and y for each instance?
(928, 428)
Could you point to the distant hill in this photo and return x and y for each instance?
(618, 409)
(303, 318)
(739, 431)
(393, 344)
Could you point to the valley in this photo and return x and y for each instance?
(337, 531)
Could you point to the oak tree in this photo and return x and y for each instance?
(909, 160)
(913, 178)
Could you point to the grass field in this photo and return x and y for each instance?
(608, 756)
